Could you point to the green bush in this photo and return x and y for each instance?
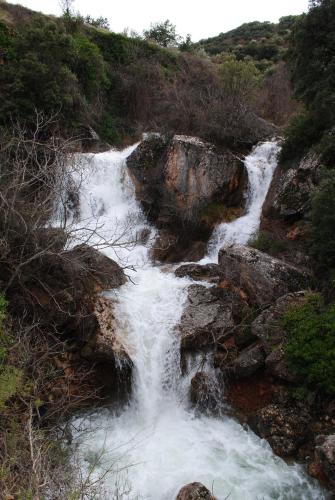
(267, 243)
(322, 246)
(312, 63)
(310, 349)
(303, 131)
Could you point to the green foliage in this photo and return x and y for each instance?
(323, 224)
(312, 62)
(89, 66)
(10, 383)
(164, 34)
(267, 243)
(302, 132)
(10, 376)
(310, 349)
(3, 350)
(240, 78)
(99, 22)
(263, 42)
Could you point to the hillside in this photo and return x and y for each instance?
(118, 85)
(264, 42)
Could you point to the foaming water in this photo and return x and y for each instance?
(158, 443)
(260, 164)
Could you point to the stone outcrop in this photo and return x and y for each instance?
(284, 427)
(247, 363)
(325, 455)
(267, 327)
(195, 491)
(262, 278)
(185, 185)
(104, 343)
(206, 392)
(289, 194)
(208, 316)
(208, 272)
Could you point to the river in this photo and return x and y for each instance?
(157, 442)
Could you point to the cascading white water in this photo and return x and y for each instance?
(157, 443)
(260, 165)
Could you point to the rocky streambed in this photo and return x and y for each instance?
(202, 342)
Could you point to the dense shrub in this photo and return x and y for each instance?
(266, 43)
(267, 243)
(312, 61)
(310, 349)
(323, 224)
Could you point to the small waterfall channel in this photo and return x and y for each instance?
(157, 443)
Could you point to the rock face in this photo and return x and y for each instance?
(186, 185)
(325, 454)
(285, 428)
(289, 194)
(208, 272)
(195, 491)
(247, 363)
(206, 393)
(261, 277)
(268, 329)
(206, 319)
(104, 344)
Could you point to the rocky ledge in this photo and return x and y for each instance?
(186, 186)
(234, 320)
(195, 491)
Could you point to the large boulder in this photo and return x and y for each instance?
(268, 328)
(290, 190)
(325, 454)
(284, 427)
(247, 363)
(208, 272)
(207, 318)
(195, 491)
(206, 392)
(186, 186)
(261, 277)
(103, 341)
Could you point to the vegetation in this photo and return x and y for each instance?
(310, 349)
(323, 225)
(119, 85)
(165, 34)
(267, 243)
(263, 42)
(312, 63)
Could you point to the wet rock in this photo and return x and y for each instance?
(205, 392)
(325, 454)
(262, 278)
(267, 327)
(187, 173)
(105, 344)
(247, 363)
(195, 491)
(277, 366)
(183, 182)
(93, 269)
(92, 143)
(284, 427)
(207, 317)
(171, 248)
(208, 272)
(290, 190)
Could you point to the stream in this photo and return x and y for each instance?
(157, 443)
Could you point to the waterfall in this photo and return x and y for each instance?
(157, 443)
(260, 165)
